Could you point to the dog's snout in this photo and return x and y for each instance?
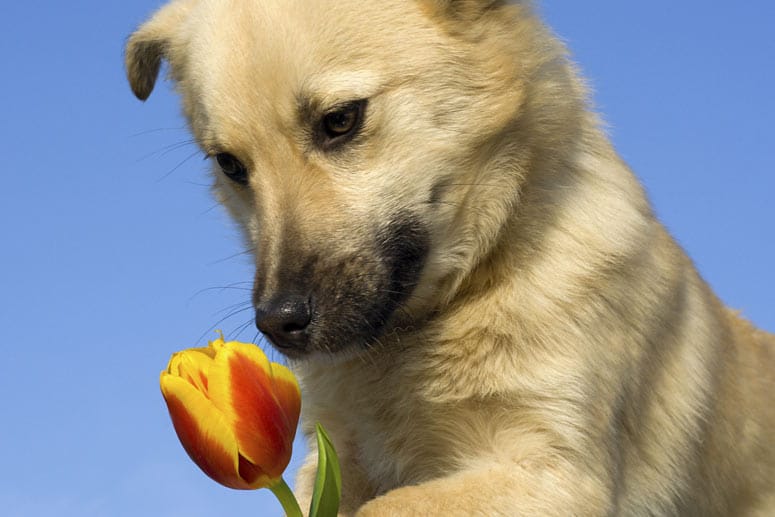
(285, 320)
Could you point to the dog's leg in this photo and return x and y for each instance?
(551, 489)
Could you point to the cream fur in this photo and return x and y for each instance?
(563, 356)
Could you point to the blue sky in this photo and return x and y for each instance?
(115, 255)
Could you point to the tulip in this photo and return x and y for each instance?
(235, 414)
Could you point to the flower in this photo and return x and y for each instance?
(234, 412)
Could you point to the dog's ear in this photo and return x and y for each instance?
(151, 44)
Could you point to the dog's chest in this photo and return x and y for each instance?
(398, 445)
(376, 420)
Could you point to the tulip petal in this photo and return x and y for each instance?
(193, 365)
(205, 435)
(288, 394)
(241, 388)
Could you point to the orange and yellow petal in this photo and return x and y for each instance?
(241, 388)
(205, 435)
(287, 393)
(192, 365)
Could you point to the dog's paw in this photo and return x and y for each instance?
(407, 501)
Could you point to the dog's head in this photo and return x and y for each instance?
(353, 141)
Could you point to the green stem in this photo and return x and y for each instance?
(283, 494)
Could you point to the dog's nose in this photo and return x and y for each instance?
(285, 320)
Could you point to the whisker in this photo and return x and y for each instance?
(178, 166)
(165, 150)
(230, 287)
(209, 209)
(157, 130)
(174, 147)
(218, 323)
(240, 329)
(230, 257)
(202, 185)
(236, 308)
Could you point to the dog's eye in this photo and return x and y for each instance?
(232, 168)
(343, 123)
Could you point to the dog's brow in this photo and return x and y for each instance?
(323, 92)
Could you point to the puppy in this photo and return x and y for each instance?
(468, 281)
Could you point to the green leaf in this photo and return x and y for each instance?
(328, 482)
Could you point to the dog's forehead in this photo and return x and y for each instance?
(287, 39)
(251, 64)
(235, 44)
(264, 54)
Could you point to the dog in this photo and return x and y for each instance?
(468, 281)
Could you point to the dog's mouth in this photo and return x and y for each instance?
(348, 304)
